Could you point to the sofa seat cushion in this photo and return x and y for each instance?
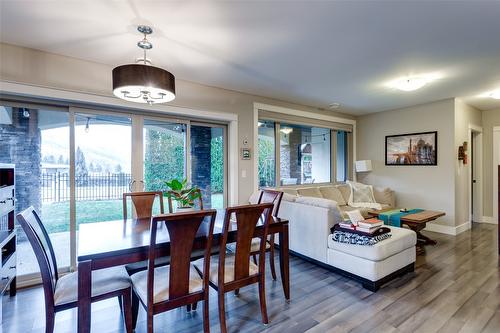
(310, 192)
(400, 240)
(317, 202)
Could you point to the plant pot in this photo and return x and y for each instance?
(184, 209)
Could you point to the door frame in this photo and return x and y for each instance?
(476, 163)
(496, 162)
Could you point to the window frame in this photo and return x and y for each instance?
(333, 155)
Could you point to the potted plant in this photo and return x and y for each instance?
(182, 194)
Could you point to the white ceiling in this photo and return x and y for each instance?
(312, 53)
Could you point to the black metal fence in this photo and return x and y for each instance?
(93, 186)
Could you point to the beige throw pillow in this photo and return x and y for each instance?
(361, 193)
(383, 196)
(309, 192)
(332, 193)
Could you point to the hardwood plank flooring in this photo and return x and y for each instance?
(455, 288)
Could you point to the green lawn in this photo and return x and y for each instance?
(56, 215)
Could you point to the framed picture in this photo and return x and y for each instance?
(411, 149)
(245, 154)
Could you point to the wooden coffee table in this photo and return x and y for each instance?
(416, 222)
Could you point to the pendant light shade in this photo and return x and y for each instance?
(141, 82)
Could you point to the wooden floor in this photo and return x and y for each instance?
(455, 288)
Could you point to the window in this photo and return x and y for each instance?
(267, 154)
(294, 154)
(304, 154)
(341, 158)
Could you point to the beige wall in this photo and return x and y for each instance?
(30, 66)
(491, 119)
(465, 116)
(430, 187)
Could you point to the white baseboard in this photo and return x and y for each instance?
(448, 230)
(486, 219)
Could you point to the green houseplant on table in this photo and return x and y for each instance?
(183, 194)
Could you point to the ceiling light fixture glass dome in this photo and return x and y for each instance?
(141, 82)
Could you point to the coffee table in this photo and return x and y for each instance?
(416, 222)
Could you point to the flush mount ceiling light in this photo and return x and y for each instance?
(141, 82)
(411, 83)
(495, 94)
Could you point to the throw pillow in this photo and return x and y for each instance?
(291, 191)
(361, 193)
(383, 196)
(310, 192)
(332, 193)
(288, 197)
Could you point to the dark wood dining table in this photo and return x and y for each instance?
(114, 243)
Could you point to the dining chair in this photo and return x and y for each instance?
(171, 206)
(61, 292)
(265, 196)
(274, 197)
(160, 289)
(228, 272)
(143, 203)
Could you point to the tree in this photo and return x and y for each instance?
(217, 164)
(163, 159)
(118, 168)
(60, 160)
(81, 171)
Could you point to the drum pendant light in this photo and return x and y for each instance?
(141, 82)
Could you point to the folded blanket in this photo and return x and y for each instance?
(378, 232)
(351, 238)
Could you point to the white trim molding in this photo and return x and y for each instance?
(486, 219)
(448, 230)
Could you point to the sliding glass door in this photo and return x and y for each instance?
(73, 166)
(36, 141)
(103, 156)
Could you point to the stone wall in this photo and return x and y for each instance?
(20, 144)
(200, 161)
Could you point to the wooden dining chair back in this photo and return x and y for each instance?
(171, 205)
(179, 286)
(142, 203)
(247, 218)
(62, 295)
(272, 196)
(42, 247)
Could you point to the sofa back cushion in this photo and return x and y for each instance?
(309, 192)
(317, 202)
(345, 190)
(333, 193)
(291, 191)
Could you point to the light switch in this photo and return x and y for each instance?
(243, 174)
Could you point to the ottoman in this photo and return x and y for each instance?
(375, 265)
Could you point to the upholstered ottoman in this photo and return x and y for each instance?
(377, 264)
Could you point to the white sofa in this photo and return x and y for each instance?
(312, 217)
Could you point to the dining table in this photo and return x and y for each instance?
(121, 242)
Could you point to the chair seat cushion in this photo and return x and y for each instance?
(161, 283)
(103, 281)
(255, 247)
(400, 240)
(228, 268)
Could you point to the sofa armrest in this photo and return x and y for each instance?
(309, 227)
